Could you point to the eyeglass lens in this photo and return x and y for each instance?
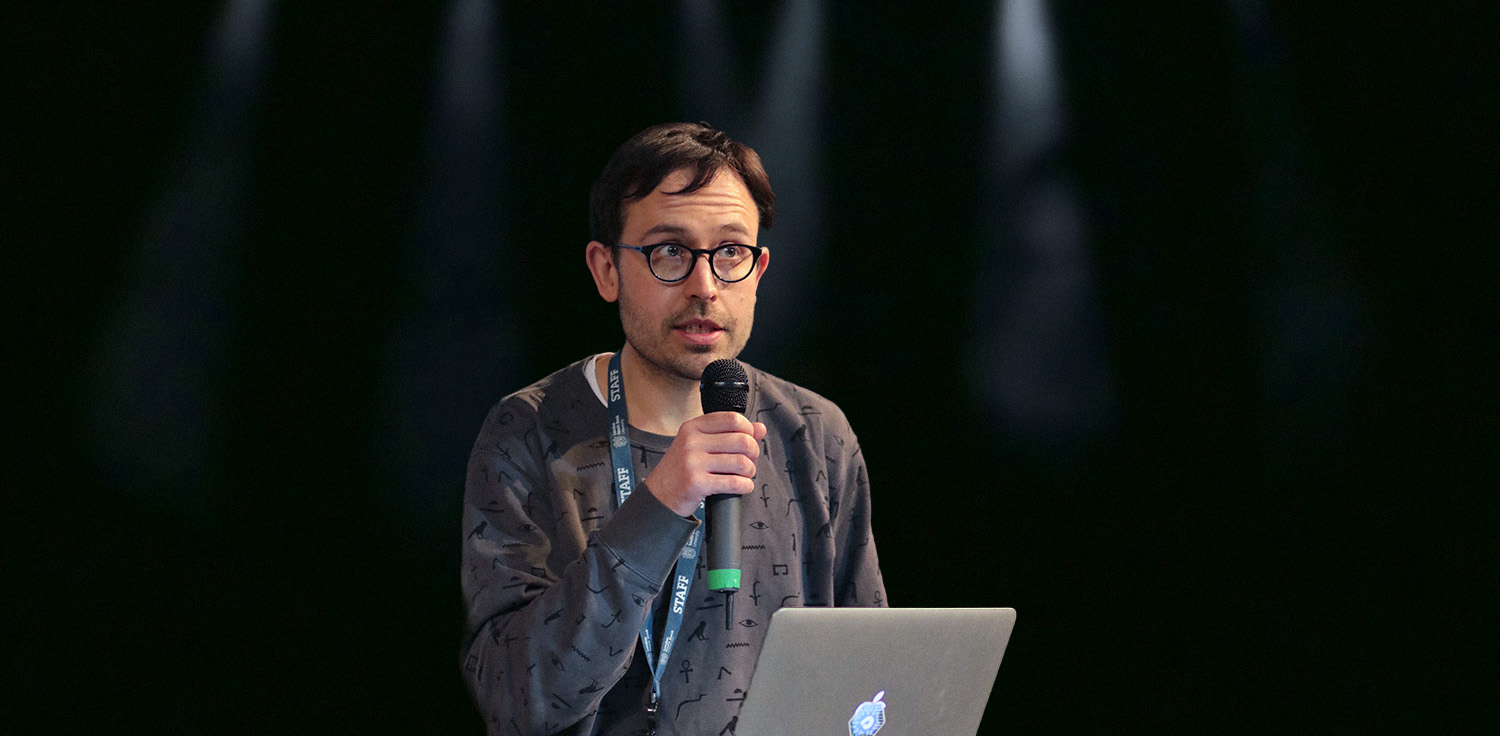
(729, 262)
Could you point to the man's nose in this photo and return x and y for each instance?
(701, 282)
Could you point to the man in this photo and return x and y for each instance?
(569, 563)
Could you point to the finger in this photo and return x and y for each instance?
(723, 421)
(729, 464)
(729, 443)
(760, 431)
(729, 483)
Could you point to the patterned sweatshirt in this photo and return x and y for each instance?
(557, 580)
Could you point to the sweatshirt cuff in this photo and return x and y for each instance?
(647, 535)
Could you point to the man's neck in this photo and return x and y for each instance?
(658, 401)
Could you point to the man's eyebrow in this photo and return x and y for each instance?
(670, 229)
(666, 229)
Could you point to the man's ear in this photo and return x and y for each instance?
(601, 263)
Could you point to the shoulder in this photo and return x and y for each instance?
(552, 405)
(779, 401)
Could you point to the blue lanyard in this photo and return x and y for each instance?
(619, 454)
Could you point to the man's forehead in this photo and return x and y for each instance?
(672, 228)
(724, 199)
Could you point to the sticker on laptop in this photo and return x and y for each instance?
(868, 717)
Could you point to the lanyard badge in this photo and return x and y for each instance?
(624, 479)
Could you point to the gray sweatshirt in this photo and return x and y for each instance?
(557, 580)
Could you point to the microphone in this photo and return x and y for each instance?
(724, 387)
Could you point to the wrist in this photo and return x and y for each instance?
(680, 507)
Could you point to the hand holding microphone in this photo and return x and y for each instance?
(713, 454)
(726, 388)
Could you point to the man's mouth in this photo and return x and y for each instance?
(699, 326)
(699, 332)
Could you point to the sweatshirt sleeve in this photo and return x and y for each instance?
(546, 640)
(857, 580)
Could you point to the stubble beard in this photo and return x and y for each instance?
(654, 343)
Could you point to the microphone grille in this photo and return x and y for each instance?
(724, 387)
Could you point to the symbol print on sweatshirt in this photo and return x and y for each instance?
(591, 688)
(698, 632)
(737, 697)
(749, 623)
(646, 460)
(826, 531)
(791, 597)
(687, 671)
(558, 663)
(779, 570)
(765, 495)
(559, 703)
(555, 615)
(755, 594)
(799, 435)
(879, 599)
(613, 620)
(722, 672)
(759, 526)
(731, 725)
(792, 502)
(592, 515)
(685, 703)
(528, 507)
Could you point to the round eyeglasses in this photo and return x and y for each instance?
(672, 262)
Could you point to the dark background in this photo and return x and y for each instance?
(1260, 536)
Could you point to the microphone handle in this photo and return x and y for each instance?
(723, 540)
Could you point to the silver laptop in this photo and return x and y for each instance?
(858, 671)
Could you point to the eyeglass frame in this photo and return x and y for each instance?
(707, 253)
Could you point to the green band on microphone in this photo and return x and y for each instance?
(720, 580)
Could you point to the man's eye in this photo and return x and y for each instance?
(731, 252)
(671, 250)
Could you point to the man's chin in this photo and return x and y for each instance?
(698, 358)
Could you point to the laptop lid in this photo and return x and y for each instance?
(856, 671)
